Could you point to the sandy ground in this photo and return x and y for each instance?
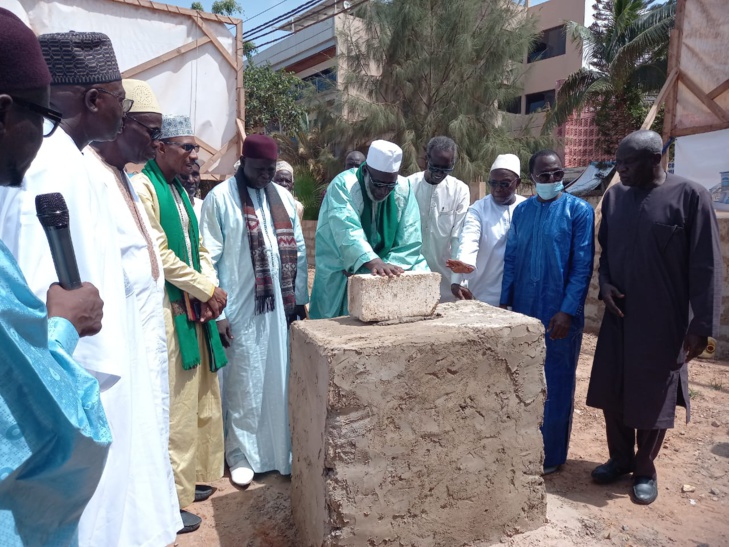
(579, 512)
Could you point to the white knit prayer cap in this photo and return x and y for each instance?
(508, 161)
(384, 156)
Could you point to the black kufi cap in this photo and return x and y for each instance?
(80, 58)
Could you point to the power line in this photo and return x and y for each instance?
(315, 12)
(283, 17)
(353, 6)
(264, 11)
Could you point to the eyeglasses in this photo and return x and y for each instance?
(51, 118)
(154, 132)
(185, 146)
(544, 177)
(438, 169)
(126, 104)
(503, 184)
(380, 183)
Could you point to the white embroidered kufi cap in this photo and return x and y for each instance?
(176, 126)
(142, 95)
(508, 161)
(384, 156)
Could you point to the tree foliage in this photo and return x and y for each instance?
(448, 65)
(627, 57)
(197, 6)
(272, 99)
(226, 7)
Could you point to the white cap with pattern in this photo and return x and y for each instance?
(509, 162)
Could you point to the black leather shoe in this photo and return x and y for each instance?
(608, 472)
(190, 522)
(203, 492)
(645, 490)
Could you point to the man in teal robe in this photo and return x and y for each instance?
(369, 222)
(54, 437)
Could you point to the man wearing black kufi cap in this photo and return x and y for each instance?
(86, 87)
(55, 436)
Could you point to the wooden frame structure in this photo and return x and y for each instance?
(669, 96)
(199, 18)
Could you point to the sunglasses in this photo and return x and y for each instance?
(185, 146)
(503, 184)
(126, 104)
(380, 183)
(438, 169)
(51, 118)
(154, 132)
(544, 177)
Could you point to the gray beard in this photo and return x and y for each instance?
(369, 194)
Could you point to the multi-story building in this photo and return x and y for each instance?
(313, 54)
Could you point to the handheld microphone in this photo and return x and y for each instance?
(52, 213)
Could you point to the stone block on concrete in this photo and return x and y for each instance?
(419, 434)
(375, 298)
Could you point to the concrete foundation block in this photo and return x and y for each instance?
(374, 298)
(418, 434)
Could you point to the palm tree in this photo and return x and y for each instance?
(626, 50)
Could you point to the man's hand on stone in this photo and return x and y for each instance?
(378, 267)
(461, 292)
(559, 325)
(226, 334)
(694, 345)
(610, 294)
(456, 266)
(82, 307)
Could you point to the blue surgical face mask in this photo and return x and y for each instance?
(549, 190)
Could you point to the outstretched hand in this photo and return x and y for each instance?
(456, 266)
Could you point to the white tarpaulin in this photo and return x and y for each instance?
(200, 82)
(703, 157)
(703, 62)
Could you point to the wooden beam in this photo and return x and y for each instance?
(674, 62)
(684, 132)
(694, 88)
(653, 112)
(718, 90)
(131, 72)
(219, 154)
(224, 52)
(241, 129)
(182, 11)
(206, 146)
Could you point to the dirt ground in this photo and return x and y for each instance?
(579, 513)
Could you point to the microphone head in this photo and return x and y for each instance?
(52, 210)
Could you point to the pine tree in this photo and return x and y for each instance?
(437, 67)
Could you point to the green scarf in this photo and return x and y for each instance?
(382, 236)
(172, 225)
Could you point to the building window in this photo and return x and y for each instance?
(551, 43)
(325, 80)
(539, 101)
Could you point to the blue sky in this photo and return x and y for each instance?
(253, 11)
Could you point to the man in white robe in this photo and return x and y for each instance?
(443, 202)
(86, 87)
(143, 269)
(255, 324)
(483, 239)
